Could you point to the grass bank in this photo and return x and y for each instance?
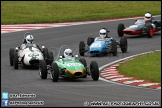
(22, 12)
(146, 67)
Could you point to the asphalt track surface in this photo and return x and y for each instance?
(79, 91)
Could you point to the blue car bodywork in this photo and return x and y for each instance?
(100, 46)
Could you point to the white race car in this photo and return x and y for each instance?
(29, 56)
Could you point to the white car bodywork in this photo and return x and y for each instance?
(30, 55)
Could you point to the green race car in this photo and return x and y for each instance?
(68, 68)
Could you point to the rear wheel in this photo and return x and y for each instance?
(158, 24)
(11, 55)
(55, 72)
(94, 70)
(120, 30)
(82, 48)
(43, 69)
(15, 60)
(123, 44)
(149, 31)
(45, 53)
(51, 57)
(90, 40)
(114, 48)
(83, 61)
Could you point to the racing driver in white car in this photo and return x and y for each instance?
(29, 39)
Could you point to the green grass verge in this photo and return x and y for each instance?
(16, 12)
(146, 67)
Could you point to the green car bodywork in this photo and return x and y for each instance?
(71, 68)
(74, 68)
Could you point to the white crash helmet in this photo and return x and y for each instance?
(29, 39)
(148, 16)
(68, 53)
(103, 33)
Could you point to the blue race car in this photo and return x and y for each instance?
(100, 46)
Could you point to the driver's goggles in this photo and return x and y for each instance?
(147, 17)
(102, 33)
(30, 40)
(69, 54)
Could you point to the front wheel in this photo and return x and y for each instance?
(114, 48)
(149, 31)
(55, 72)
(15, 60)
(43, 69)
(11, 55)
(94, 70)
(83, 61)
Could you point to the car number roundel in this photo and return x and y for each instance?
(96, 45)
(33, 54)
(73, 64)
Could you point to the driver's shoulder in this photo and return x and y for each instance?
(34, 44)
(97, 37)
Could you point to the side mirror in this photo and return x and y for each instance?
(43, 47)
(61, 60)
(17, 48)
(60, 57)
(76, 56)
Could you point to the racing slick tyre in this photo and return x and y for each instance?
(90, 40)
(45, 53)
(51, 57)
(149, 31)
(158, 24)
(55, 72)
(120, 30)
(43, 69)
(81, 48)
(11, 54)
(94, 70)
(15, 60)
(123, 44)
(114, 48)
(83, 61)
